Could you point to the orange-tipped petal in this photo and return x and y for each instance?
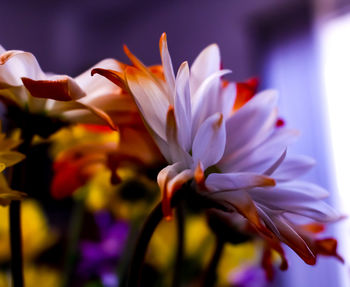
(99, 113)
(328, 247)
(199, 176)
(60, 90)
(163, 178)
(136, 62)
(114, 76)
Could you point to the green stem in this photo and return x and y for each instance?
(152, 221)
(211, 275)
(180, 245)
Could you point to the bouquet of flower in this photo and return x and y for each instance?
(150, 178)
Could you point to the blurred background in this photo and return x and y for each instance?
(300, 47)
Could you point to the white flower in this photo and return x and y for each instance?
(237, 157)
(81, 99)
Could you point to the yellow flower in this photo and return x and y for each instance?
(8, 158)
(36, 233)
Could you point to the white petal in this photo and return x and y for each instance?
(205, 102)
(227, 98)
(17, 64)
(248, 123)
(150, 99)
(293, 167)
(183, 107)
(207, 63)
(293, 201)
(180, 179)
(177, 154)
(168, 69)
(98, 85)
(209, 142)
(309, 188)
(260, 158)
(234, 181)
(167, 174)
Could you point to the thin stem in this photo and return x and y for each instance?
(152, 221)
(180, 245)
(16, 244)
(73, 240)
(210, 275)
(18, 183)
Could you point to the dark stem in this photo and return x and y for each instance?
(18, 183)
(210, 276)
(73, 240)
(152, 221)
(180, 220)
(16, 244)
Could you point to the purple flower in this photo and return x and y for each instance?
(249, 276)
(100, 258)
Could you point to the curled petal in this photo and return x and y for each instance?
(164, 176)
(114, 76)
(17, 64)
(60, 89)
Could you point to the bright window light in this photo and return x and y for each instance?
(335, 47)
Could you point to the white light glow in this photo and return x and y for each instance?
(335, 47)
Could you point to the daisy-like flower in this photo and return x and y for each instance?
(233, 149)
(82, 99)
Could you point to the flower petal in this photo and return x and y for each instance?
(176, 152)
(289, 236)
(183, 107)
(168, 69)
(293, 167)
(226, 99)
(207, 63)
(260, 158)
(164, 176)
(151, 101)
(235, 181)
(17, 64)
(205, 101)
(209, 142)
(60, 89)
(250, 121)
(243, 203)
